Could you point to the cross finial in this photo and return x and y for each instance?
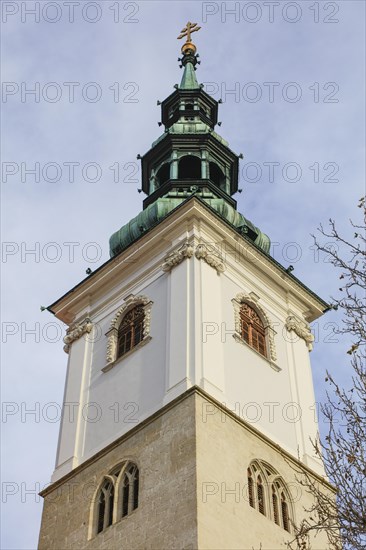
(188, 30)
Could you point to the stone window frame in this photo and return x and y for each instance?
(259, 473)
(115, 476)
(112, 335)
(253, 301)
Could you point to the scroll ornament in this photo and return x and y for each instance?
(74, 332)
(301, 328)
(201, 252)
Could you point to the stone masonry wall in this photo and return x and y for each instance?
(164, 450)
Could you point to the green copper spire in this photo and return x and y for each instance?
(188, 160)
(189, 80)
(189, 60)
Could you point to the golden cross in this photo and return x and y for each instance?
(187, 31)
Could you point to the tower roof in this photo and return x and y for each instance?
(189, 60)
(189, 80)
(189, 158)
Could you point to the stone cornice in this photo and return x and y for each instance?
(194, 390)
(151, 245)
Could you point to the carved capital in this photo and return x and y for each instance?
(301, 329)
(74, 332)
(201, 252)
(215, 260)
(175, 258)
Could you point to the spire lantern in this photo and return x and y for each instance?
(188, 159)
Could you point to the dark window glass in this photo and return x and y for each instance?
(284, 510)
(260, 496)
(250, 489)
(189, 168)
(130, 490)
(276, 514)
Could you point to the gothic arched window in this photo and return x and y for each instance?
(251, 489)
(131, 330)
(284, 512)
(116, 498)
(268, 494)
(130, 489)
(276, 514)
(105, 506)
(260, 496)
(252, 329)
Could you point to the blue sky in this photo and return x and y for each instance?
(309, 54)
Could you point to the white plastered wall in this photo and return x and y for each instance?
(192, 325)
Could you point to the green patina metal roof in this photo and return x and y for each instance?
(157, 211)
(193, 125)
(189, 80)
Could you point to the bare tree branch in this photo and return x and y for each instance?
(343, 450)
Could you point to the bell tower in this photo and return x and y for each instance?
(189, 403)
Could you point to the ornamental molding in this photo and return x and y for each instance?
(130, 302)
(215, 260)
(253, 300)
(76, 331)
(301, 329)
(175, 258)
(200, 251)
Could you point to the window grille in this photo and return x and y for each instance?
(131, 330)
(252, 329)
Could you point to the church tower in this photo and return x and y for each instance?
(189, 402)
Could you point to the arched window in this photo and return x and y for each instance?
(105, 506)
(268, 494)
(253, 326)
(116, 498)
(276, 515)
(251, 489)
(131, 330)
(162, 175)
(284, 512)
(217, 176)
(260, 496)
(189, 168)
(130, 489)
(252, 329)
